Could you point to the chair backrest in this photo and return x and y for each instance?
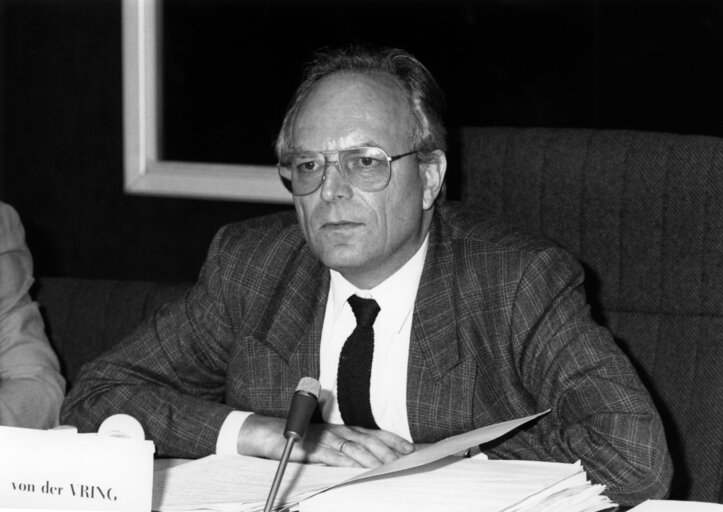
(644, 214)
(86, 317)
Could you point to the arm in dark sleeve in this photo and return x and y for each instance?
(601, 413)
(169, 374)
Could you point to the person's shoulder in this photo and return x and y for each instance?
(487, 244)
(12, 233)
(277, 232)
(273, 226)
(9, 219)
(488, 231)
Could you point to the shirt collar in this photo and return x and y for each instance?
(395, 295)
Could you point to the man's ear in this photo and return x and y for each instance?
(432, 173)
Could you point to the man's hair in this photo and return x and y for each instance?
(426, 99)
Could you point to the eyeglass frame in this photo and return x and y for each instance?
(328, 162)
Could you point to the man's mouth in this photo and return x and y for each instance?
(339, 225)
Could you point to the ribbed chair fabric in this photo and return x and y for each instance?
(85, 317)
(644, 214)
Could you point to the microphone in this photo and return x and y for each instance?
(302, 407)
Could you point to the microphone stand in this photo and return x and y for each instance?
(302, 406)
(279, 474)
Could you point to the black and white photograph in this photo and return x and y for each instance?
(361, 255)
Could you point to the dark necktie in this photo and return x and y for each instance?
(355, 366)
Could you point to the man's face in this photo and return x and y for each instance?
(366, 236)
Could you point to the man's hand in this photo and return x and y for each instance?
(334, 445)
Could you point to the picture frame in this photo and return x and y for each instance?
(145, 173)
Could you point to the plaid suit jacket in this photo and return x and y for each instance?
(501, 329)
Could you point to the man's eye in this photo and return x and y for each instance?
(307, 166)
(366, 162)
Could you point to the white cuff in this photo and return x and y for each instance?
(227, 442)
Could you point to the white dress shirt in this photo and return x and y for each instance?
(392, 332)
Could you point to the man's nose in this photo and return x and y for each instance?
(334, 186)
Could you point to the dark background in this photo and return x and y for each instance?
(229, 70)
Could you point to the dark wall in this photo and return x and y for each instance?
(646, 64)
(638, 64)
(63, 152)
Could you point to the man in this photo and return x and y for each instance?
(31, 387)
(472, 324)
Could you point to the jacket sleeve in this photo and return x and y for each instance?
(31, 387)
(169, 374)
(601, 413)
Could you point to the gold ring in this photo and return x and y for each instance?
(342, 445)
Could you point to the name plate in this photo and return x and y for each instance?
(64, 470)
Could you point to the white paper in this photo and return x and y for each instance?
(223, 482)
(62, 470)
(465, 485)
(677, 506)
(450, 446)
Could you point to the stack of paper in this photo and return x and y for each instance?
(474, 485)
(430, 479)
(677, 506)
(242, 483)
(238, 483)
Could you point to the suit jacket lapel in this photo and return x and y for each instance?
(433, 349)
(295, 327)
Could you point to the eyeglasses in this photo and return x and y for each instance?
(366, 168)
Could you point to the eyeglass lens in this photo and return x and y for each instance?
(365, 168)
